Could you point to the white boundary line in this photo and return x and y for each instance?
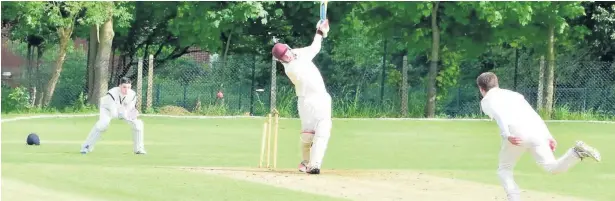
(259, 117)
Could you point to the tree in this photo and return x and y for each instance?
(600, 19)
(203, 23)
(63, 16)
(550, 24)
(147, 33)
(100, 18)
(457, 30)
(38, 36)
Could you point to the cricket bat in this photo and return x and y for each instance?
(323, 10)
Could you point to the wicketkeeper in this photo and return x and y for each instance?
(522, 129)
(119, 102)
(314, 102)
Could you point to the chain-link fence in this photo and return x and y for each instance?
(364, 79)
(209, 87)
(37, 67)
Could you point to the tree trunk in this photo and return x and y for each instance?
(228, 43)
(540, 97)
(92, 52)
(103, 54)
(113, 78)
(64, 34)
(38, 77)
(29, 62)
(430, 107)
(30, 75)
(150, 83)
(551, 72)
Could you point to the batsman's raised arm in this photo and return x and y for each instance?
(311, 51)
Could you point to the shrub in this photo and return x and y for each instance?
(15, 99)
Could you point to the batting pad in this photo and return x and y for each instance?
(137, 135)
(306, 145)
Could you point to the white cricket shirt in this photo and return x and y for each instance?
(119, 101)
(513, 114)
(303, 73)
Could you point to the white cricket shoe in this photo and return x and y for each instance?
(303, 166)
(141, 152)
(85, 150)
(583, 150)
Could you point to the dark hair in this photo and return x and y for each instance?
(125, 80)
(487, 81)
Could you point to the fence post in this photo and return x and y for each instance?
(459, 100)
(158, 93)
(384, 62)
(252, 90)
(272, 100)
(150, 83)
(404, 87)
(584, 99)
(139, 83)
(240, 95)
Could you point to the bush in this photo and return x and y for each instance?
(15, 99)
(81, 106)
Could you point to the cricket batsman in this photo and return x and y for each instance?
(119, 102)
(314, 102)
(522, 129)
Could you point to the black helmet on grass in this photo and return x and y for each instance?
(33, 139)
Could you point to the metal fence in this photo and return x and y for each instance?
(245, 81)
(368, 85)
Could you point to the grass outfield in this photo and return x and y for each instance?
(465, 150)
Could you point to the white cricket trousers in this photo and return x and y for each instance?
(316, 123)
(539, 148)
(101, 125)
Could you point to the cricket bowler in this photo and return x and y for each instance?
(314, 102)
(119, 102)
(522, 129)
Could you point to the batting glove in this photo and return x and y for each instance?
(323, 28)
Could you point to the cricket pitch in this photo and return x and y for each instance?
(376, 185)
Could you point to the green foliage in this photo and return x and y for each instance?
(202, 23)
(97, 13)
(565, 113)
(27, 23)
(81, 106)
(449, 75)
(606, 22)
(601, 41)
(474, 37)
(183, 70)
(71, 82)
(533, 33)
(15, 100)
